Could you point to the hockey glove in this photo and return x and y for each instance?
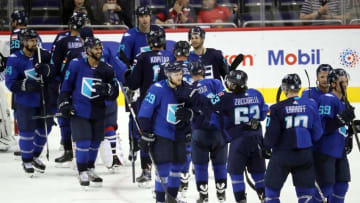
(146, 140)
(185, 92)
(188, 137)
(253, 125)
(184, 114)
(3, 61)
(357, 125)
(127, 75)
(266, 153)
(103, 89)
(27, 85)
(43, 69)
(346, 116)
(348, 144)
(66, 109)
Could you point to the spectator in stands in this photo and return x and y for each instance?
(115, 12)
(71, 6)
(211, 12)
(324, 10)
(180, 12)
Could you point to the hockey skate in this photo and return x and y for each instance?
(84, 180)
(220, 192)
(184, 184)
(93, 177)
(203, 194)
(29, 169)
(39, 166)
(144, 179)
(115, 164)
(65, 160)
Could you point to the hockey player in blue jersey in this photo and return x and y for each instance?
(241, 109)
(292, 129)
(330, 154)
(61, 50)
(163, 133)
(22, 78)
(144, 73)
(213, 60)
(322, 85)
(88, 83)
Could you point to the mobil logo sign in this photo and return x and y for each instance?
(300, 57)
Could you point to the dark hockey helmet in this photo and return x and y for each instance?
(196, 31)
(173, 67)
(323, 68)
(20, 16)
(28, 33)
(181, 48)
(78, 20)
(334, 74)
(196, 68)
(90, 42)
(142, 10)
(156, 37)
(291, 82)
(86, 32)
(238, 78)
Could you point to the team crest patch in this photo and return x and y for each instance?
(87, 89)
(31, 74)
(170, 117)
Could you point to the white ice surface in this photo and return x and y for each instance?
(59, 185)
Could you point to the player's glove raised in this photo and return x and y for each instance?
(348, 144)
(253, 124)
(103, 89)
(185, 92)
(184, 114)
(146, 140)
(43, 69)
(346, 116)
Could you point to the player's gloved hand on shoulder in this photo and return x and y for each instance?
(29, 85)
(184, 114)
(43, 69)
(146, 140)
(103, 89)
(253, 124)
(185, 92)
(346, 116)
(66, 109)
(348, 144)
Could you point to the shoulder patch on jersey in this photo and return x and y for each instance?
(329, 95)
(75, 59)
(12, 55)
(127, 34)
(158, 84)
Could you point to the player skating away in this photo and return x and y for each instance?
(88, 83)
(330, 154)
(146, 71)
(241, 110)
(322, 85)
(213, 60)
(60, 57)
(163, 134)
(293, 127)
(23, 80)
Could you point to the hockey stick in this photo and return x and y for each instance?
(348, 105)
(278, 94)
(308, 78)
(169, 199)
(252, 185)
(42, 85)
(124, 58)
(239, 58)
(48, 116)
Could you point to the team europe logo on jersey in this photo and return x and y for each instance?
(87, 89)
(31, 74)
(170, 117)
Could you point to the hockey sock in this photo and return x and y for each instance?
(272, 195)
(258, 179)
(66, 137)
(327, 190)
(164, 170)
(238, 185)
(186, 167)
(220, 173)
(145, 160)
(201, 173)
(110, 135)
(304, 194)
(339, 193)
(93, 151)
(39, 141)
(82, 154)
(174, 179)
(26, 145)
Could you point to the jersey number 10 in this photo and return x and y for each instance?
(296, 121)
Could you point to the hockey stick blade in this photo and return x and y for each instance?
(308, 78)
(124, 58)
(252, 185)
(239, 58)
(47, 116)
(348, 105)
(278, 94)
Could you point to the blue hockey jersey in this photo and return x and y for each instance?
(214, 62)
(58, 37)
(159, 106)
(315, 93)
(78, 82)
(293, 124)
(331, 143)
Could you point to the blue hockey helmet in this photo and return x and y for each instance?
(236, 81)
(323, 68)
(78, 20)
(196, 68)
(156, 37)
(173, 67)
(291, 82)
(142, 10)
(196, 31)
(90, 42)
(181, 48)
(334, 75)
(20, 16)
